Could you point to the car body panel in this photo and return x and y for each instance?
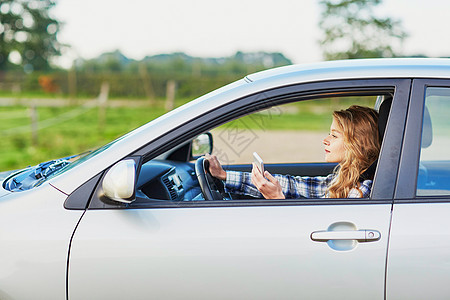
(35, 232)
(4, 175)
(226, 253)
(419, 252)
(4, 192)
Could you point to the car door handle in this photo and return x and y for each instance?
(362, 235)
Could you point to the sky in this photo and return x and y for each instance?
(211, 28)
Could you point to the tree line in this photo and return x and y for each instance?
(28, 41)
(147, 78)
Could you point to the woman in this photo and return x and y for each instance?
(353, 143)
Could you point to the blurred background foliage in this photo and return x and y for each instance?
(141, 79)
(28, 42)
(28, 35)
(352, 29)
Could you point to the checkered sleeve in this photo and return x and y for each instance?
(241, 183)
(292, 186)
(364, 189)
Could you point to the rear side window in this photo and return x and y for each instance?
(434, 166)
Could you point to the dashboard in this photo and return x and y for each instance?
(167, 181)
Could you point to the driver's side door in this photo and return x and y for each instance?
(249, 248)
(256, 252)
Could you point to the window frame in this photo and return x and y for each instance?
(406, 188)
(384, 183)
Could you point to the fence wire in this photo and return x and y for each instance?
(47, 122)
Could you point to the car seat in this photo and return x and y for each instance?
(383, 106)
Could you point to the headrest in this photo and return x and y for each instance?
(427, 130)
(383, 106)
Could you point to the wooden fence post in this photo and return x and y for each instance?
(16, 91)
(170, 95)
(72, 81)
(34, 124)
(146, 80)
(102, 103)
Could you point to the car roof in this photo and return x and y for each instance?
(358, 68)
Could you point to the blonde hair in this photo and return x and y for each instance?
(359, 125)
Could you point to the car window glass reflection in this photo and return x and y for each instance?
(434, 167)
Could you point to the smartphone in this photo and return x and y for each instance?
(258, 162)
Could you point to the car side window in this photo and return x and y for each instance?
(434, 166)
(289, 133)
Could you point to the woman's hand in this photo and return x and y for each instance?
(215, 168)
(270, 188)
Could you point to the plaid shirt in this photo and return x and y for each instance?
(293, 187)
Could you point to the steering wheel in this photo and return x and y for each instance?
(212, 188)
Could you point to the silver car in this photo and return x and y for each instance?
(135, 219)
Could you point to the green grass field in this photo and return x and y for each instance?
(64, 131)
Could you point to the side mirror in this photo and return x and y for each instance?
(118, 183)
(201, 145)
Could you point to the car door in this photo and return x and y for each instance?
(240, 249)
(419, 251)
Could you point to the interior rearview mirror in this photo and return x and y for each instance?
(118, 183)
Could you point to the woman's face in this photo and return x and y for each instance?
(334, 144)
